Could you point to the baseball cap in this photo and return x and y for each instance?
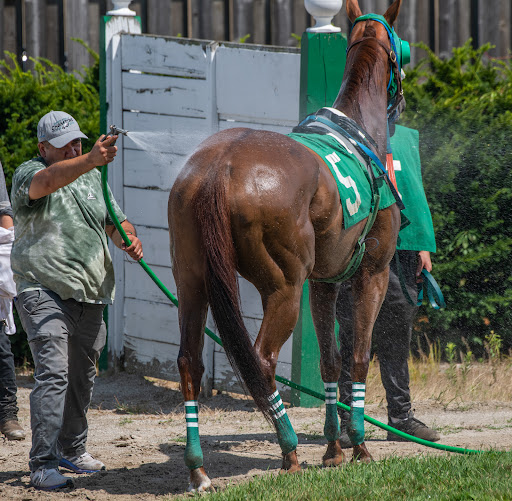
(58, 128)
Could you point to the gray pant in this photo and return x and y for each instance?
(66, 338)
(391, 338)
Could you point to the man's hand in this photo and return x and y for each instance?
(424, 262)
(135, 249)
(103, 151)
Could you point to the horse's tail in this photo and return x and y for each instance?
(222, 288)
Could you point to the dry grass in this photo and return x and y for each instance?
(451, 384)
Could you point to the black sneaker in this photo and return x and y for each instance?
(345, 442)
(414, 427)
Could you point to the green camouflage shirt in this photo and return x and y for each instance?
(60, 241)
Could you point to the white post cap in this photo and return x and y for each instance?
(323, 11)
(121, 8)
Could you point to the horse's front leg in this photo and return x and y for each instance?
(322, 299)
(368, 291)
(193, 308)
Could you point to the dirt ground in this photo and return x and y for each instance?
(137, 428)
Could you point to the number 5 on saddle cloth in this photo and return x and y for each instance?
(362, 184)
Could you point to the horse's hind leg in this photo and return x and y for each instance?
(193, 308)
(281, 312)
(322, 299)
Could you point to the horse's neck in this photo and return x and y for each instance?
(365, 111)
(366, 105)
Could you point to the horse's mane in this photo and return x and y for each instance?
(360, 75)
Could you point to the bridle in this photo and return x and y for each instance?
(394, 88)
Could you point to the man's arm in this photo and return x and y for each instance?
(62, 173)
(135, 249)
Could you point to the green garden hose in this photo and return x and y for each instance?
(291, 384)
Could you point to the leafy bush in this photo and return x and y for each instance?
(25, 96)
(462, 107)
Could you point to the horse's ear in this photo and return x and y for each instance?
(353, 10)
(392, 12)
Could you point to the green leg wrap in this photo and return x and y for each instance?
(355, 428)
(193, 452)
(332, 425)
(285, 433)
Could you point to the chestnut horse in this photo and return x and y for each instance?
(265, 206)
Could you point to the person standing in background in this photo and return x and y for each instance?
(9, 424)
(393, 327)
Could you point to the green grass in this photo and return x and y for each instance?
(486, 476)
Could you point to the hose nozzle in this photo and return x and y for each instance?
(115, 131)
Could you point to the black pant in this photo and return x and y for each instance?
(391, 338)
(8, 403)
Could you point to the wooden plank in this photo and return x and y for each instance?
(35, 27)
(178, 15)
(139, 284)
(224, 378)
(281, 23)
(300, 19)
(2, 18)
(167, 95)
(151, 359)
(216, 23)
(283, 128)
(156, 322)
(256, 83)
(185, 132)
(9, 30)
(147, 208)
(243, 19)
(156, 253)
(159, 16)
(165, 55)
(76, 20)
(151, 170)
(95, 15)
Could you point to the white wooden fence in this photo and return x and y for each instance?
(170, 93)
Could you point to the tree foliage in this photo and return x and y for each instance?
(462, 107)
(25, 96)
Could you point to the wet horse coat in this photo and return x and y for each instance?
(261, 204)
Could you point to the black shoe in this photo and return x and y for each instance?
(12, 430)
(414, 427)
(345, 442)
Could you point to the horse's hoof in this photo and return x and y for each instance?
(199, 481)
(290, 463)
(361, 454)
(334, 455)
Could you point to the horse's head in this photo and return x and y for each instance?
(377, 31)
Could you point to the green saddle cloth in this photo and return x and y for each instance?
(351, 176)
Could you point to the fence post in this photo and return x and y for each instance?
(321, 71)
(117, 21)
